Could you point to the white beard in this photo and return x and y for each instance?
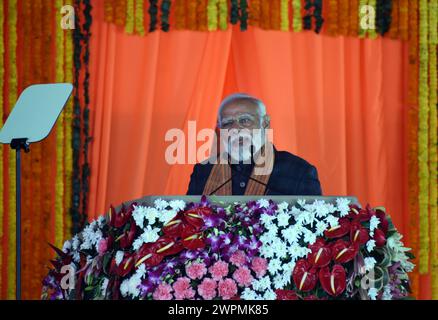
(250, 145)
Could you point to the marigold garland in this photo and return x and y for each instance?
(201, 15)
(109, 11)
(180, 16)
(403, 19)
(275, 15)
(139, 17)
(433, 159)
(317, 14)
(254, 13)
(297, 21)
(12, 35)
(383, 16)
(59, 184)
(243, 15)
(284, 15)
(361, 15)
(332, 27)
(266, 16)
(130, 17)
(212, 15)
(423, 138)
(120, 12)
(234, 11)
(165, 15)
(2, 72)
(394, 15)
(344, 21)
(372, 33)
(307, 19)
(223, 15)
(353, 25)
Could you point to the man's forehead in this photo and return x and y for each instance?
(239, 107)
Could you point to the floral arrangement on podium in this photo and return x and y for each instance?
(253, 251)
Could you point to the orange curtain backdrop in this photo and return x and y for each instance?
(338, 102)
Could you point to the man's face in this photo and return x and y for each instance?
(245, 126)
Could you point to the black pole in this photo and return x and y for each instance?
(18, 145)
(18, 225)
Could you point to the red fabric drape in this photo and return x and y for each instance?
(338, 102)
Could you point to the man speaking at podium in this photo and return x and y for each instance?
(248, 163)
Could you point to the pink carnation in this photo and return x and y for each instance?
(227, 289)
(238, 258)
(219, 270)
(243, 277)
(207, 289)
(182, 288)
(196, 270)
(259, 265)
(102, 246)
(163, 292)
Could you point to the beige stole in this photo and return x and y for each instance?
(221, 172)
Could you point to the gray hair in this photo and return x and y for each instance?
(245, 97)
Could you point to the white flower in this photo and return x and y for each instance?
(290, 234)
(119, 257)
(283, 219)
(387, 293)
(177, 205)
(309, 237)
(263, 203)
(76, 257)
(264, 283)
(267, 251)
(137, 243)
(301, 202)
(161, 204)
(101, 221)
(371, 244)
(150, 235)
(332, 221)
(75, 242)
(266, 219)
(104, 286)
(370, 262)
(248, 294)
(151, 215)
(274, 266)
(374, 222)
(279, 282)
(270, 295)
(139, 215)
(67, 246)
(343, 205)
(372, 293)
(166, 216)
(280, 248)
(321, 226)
(283, 206)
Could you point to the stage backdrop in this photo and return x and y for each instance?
(359, 104)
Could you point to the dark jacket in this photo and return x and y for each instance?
(291, 175)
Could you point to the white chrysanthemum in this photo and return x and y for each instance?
(374, 222)
(372, 293)
(309, 237)
(263, 203)
(76, 257)
(139, 215)
(177, 205)
(161, 204)
(369, 262)
(90, 237)
(150, 235)
(272, 230)
(321, 226)
(151, 215)
(279, 281)
(283, 206)
(332, 221)
(75, 242)
(321, 208)
(248, 294)
(387, 293)
(283, 219)
(270, 295)
(371, 244)
(267, 251)
(264, 283)
(119, 257)
(104, 286)
(166, 216)
(398, 251)
(274, 266)
(280, 248)
(301, 202)
(265, 239)
(267, 219)
(343, 205)
(137, 243)
(290, 234)
(67, 246)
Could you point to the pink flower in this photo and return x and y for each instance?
(196, 270)
(182, 288)
(238, 258)
(243, 277)
(207, 289)
(163, 292)
(219, 270)
(259, 265)
(102, 246)
(227, 289)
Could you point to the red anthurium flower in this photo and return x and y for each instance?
(384, 224)
(127, 238)
(333, 282)
(343, 251)
(340, 230)
(195, 216)
(174, 227)
(360, 214)
(286, 295)
(321, 254)
(304, 275)
(119, 219)
(358, 234)
(125, 266)
(379, 237)
(148, 255)
(167, 246)
(192, 239)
